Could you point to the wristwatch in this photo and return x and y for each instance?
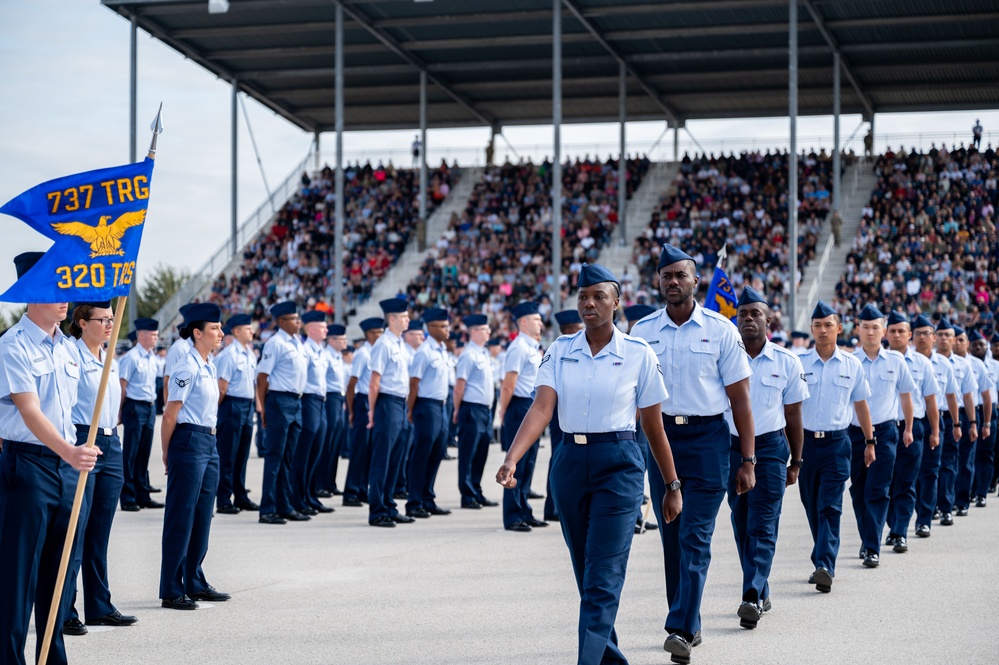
(797, 462)
(872, 442)
(972, 422)
(751, 460)
(674, 486)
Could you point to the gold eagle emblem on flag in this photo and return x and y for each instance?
(104, 239)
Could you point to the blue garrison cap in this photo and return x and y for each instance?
(751, 295)
(671, 255)
(797, 334)
(495, 341)
(945, 324)
(393, 306)
(567, 317)
(336, 330)
(283, 309)
(475, 320)
(372, 323)
(524, 309)
(415, 325)
(920, 321)
(822, 310)
(454, 336)
(958, 331)
(26, 261)
(226, 330)
(106, 304)
(595, 274)
(434, 314)
(974, 336)
(131, 337)
(459, 344)
(314, 316)
(870, 313)
(202, 311)
(637, 312)
(995, 338)
(239, 320)
(896, 317)
(147, 324)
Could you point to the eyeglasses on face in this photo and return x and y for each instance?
(104, 320)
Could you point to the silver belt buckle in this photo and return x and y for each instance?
(679, 420)
(213, 431)
(106, 431)
(579, 438)
(820, 435)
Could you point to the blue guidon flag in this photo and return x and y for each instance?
(96, 220)
(721, 295)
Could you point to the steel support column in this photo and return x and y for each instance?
(315, 159)
(423, 157)
(339, 305)
(676, 142)
(837, 147)
(622, 170)
(133, 91)
(557, 151)
(792, 166)
(234, 169)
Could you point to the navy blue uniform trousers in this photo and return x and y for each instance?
(474, 433)
(192, 481)
(947, 483)
(430, 428)
(139, 419)
(515, 506)
(908, 461)
(928, 480)
(551, 514)
(598, 488)
(966, 465)
(235, 431)
(36, 498)
(356, 486)
(452, 427)
(985, 459)
(284, 423)
(335, 423)
(701, 457)
(756, 514)
(821, 483)
(307, 451)
(869, 486)
(406, 443)
(387, 449)
(90, 552)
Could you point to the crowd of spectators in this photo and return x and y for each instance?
(740, 200)
(293, 259)
(927, 239)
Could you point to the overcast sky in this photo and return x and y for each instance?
(64, 73)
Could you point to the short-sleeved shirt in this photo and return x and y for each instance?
(925, 379)
(993, 366)
(966, 380)
(160, 365)
(360, 370)
(888, 377)
(390, 360)
(776, 381)
(430, 366)
(284, 363)
(982, 378)
(90, 380)
(32, 361)
(315, 383)
(195, 383)
(335, 371)
(946, 381)
(177, 352)
(833, 388)
(452, 375)
(524, 358)
(237, 366)
(698, 358)
(138, 368)
(600, 393)
(476, 368)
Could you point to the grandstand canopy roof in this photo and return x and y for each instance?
(489, 62)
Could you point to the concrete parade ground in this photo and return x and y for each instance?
(460, 590)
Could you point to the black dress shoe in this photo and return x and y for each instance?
(962, 511)
(472, 505)
(324, 509)
(534, 495)
(922, 531)
(487, 503)
(980, 502)
(155, 490)
(947, 519)
(336, 492)
(871, 559)
(382, 521)
(434, 510)
(696, 642)
(749, 614)
(649, 525)
(295, 516)
(131, 507)
(522, 527)
(249, 505)
(308, 511)
(271, 518)
(400, 495)
(352, 502)
(900, 546)
(448, 457)
(179, 603)
(891, 539)
(74, 627)
(535, 523)
(678, 647)
(822, 579)
(116, 618)
(937, 514)
(151, 504)
(418, 513)
(228, 510)
(210, 594)
(324, 494)
(401, 519)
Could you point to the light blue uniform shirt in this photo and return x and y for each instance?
(195, 383)
(776, 381)
(390, 360)
(600, 393)
(31, 361)
(237, 366)
(946, 381)
(160, 366)
(90, 380)
(888, 377)
(698, 359)
(430, 365)
(177, 352)
(925, 380)
(138, 368)
(833, 387)
(476, 367)
(524, 358)
(284, 363)
(315, 383)
(993, 366)
(966, 380)
(452, 375)
(335, 371)
(360, 369)
(982, 378)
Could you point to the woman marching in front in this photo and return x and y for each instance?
(599, 377)
(192, 463)
(91, 326)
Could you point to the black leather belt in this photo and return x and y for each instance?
(22, 448)
(600, 437)
(435, 402)
(103, 431)
(321, 398)
(690, 420)
(285, 392)
(523, 399)
(821, 435)
(140, 401)
(392, 397)
(196, 428)
(239, 399)
(888, 423)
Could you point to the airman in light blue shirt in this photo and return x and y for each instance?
(90, 379)
(336, 381)
(476, 369)
(776, 381)
(360, 368)
(390, 359)
(431, 366)
(891, 385)
(835, 386)
(195, 383)
(317, 369)
(138, 369)
(284, 362)
(237, 366)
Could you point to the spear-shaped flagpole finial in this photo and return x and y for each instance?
(722, 255)
(156, 128)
